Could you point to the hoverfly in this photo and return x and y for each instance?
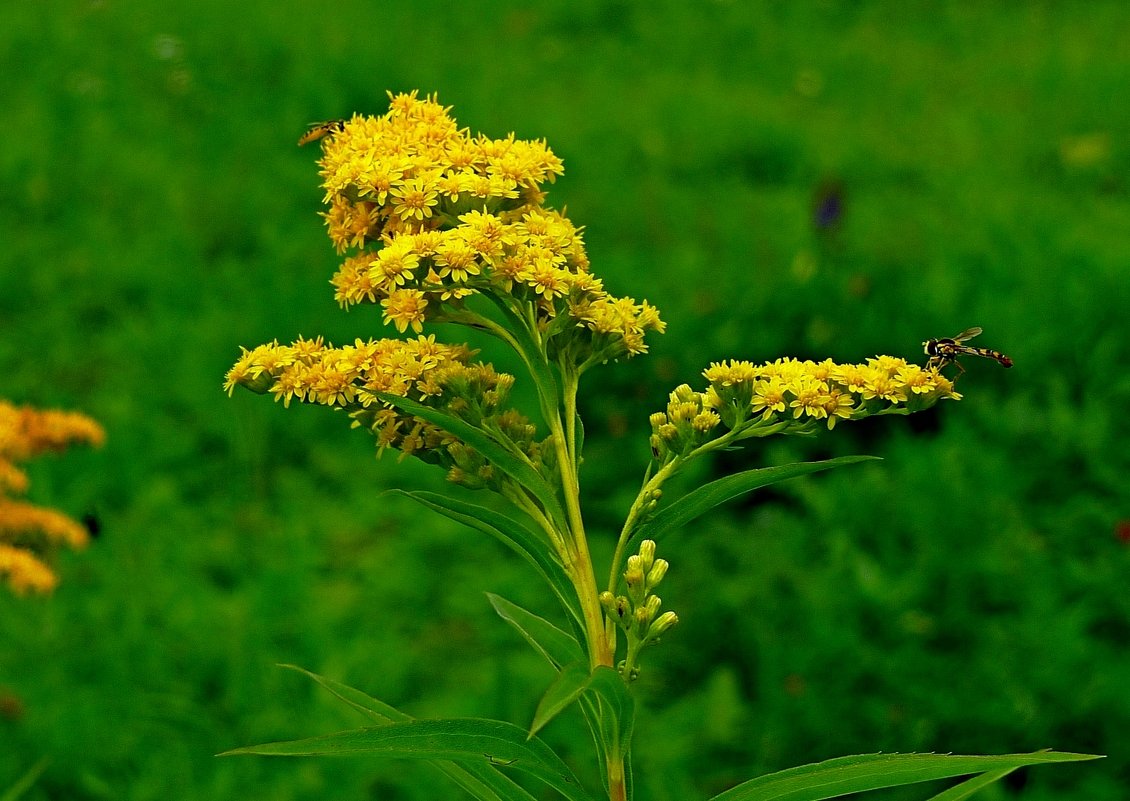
(943, 352)
(318, 130)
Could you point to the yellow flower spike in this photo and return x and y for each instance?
(29, 534)
(24, 572)
(791, 396)
(12, 479)
(17, 518)
(421, 369)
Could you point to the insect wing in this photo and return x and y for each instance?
(967, 334)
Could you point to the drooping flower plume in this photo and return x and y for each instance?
(30, 534)
(436, 375)
(790, 396)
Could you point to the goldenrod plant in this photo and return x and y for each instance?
(29, 534)
(436, 225)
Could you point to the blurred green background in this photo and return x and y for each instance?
(809, 179)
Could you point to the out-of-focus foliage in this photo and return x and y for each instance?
(816, 180)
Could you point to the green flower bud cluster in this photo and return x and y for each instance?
(637, 613)
(687, 424)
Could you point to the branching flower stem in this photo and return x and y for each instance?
(647, 493)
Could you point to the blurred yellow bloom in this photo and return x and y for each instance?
(30, 534)
(24, 572)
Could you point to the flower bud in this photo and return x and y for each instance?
(683, 393)
(656, 574)
(641, 618)
(621, 610)
(634, 578)
(647, 555)
(661, 624)
(607, 601)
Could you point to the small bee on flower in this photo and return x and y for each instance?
(320, 130)
(943, 352)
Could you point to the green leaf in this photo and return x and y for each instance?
(565, 689)
(548, 640)
(706, 497)
(857, 774)
(378, 711)
(522, 540)
(607, 706)
(968, 787)
(487, 785)
(484, 782)
(506, 460)
(466, 741)
(532, 356)
(618, 708)
(25, 782)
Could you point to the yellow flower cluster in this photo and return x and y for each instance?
(435, 216)
(791, 397)
(423, 370)
(28, 533)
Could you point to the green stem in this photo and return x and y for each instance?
(570, 542)
(634, 648)
(528, 505)
(575, 553)
(571, 380)
(634, 513)
(649, 488)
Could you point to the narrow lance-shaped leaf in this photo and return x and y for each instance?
(704, 498)
(531, 354)
(483, 781)
(618, 708)
(510, 463)
(468, 740)
(968, 787)
(25, 782)
(377, 710)
(562, 692)
(548, 640)
(513, 534)
(857, 774)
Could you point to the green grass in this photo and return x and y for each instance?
(965, 594)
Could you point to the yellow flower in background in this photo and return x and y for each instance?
(29, 534)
